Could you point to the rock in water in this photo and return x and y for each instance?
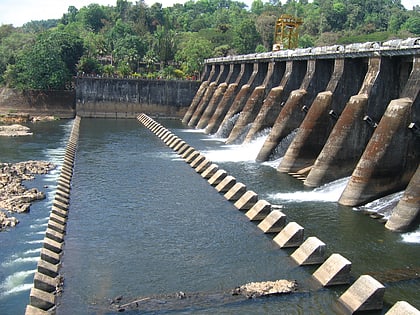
(15, 131)
(14, 196)
(265, 288)
(198, 300)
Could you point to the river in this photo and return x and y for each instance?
(142, 222)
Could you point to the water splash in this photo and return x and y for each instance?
(273, 163)
(20, 260)
(411, 237)
(330, 192)
(39, 225)
(35, 242)
(32, 251)
(283, 145)
(383, 206)
(16, 282)
(225, 129)
(246, 152)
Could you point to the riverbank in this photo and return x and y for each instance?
(14, 196)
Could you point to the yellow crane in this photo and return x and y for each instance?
(286, 35)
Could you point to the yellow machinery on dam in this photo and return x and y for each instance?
(286, 34)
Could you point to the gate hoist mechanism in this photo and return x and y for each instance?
(286, 35)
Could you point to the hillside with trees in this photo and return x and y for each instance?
(134, 39)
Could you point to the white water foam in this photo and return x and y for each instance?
(274, 163)
(39, 225)
(20, 260)
(411, 237)
(383, 205)
(246, 152)
(32, 251)
(192, 130)
(16, 282)
(330, 192)
(35, 242)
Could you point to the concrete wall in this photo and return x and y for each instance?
(38, 103)
(127, 98)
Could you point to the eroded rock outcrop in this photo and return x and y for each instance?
(181, 301)
(15, 197)
(14, 130)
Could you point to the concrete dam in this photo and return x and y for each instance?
(350, 111)
(336, 112)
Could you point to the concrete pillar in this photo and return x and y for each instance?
(217, 177)
(276, 98)
(403, 308)
(288, 120)
(291, 114)
(344, 146)
(238, 103)
(198, 96)
(259, 211)
(210, 171)
(252, 107)
(203, 104)
(389, 160)
(226, 101)
(250, 110)
(407, 211)
(225, 184)
(246, 201)
(366, 294)
(290, 236)
(310, 252)
(221, 109)
(334, 271)
(212, 105)
(304, 148)
(321, 118)
(236, 192)
(274, 222)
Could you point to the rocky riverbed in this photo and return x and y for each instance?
(14, 196)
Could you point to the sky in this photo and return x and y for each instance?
(18, 12)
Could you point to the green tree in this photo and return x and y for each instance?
(192, 53)
(246, 37)
(412, 25)
(48, 64)
(93, 17)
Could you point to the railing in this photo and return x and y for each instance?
(395, 47)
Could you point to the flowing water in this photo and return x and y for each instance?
(20, 246)
(142, 222)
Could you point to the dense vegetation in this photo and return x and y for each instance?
(151, 41)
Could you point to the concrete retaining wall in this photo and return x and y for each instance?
(38, 103)
(127, 98)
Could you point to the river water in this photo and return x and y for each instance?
(142, 222)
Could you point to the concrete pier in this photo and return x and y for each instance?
(321, 117)
(292, 115)
(407, 212)
(47, 281)
(293, 73)
(385, 167)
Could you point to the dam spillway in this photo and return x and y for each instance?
(164, 205)
(354, 111)
(331, 222)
